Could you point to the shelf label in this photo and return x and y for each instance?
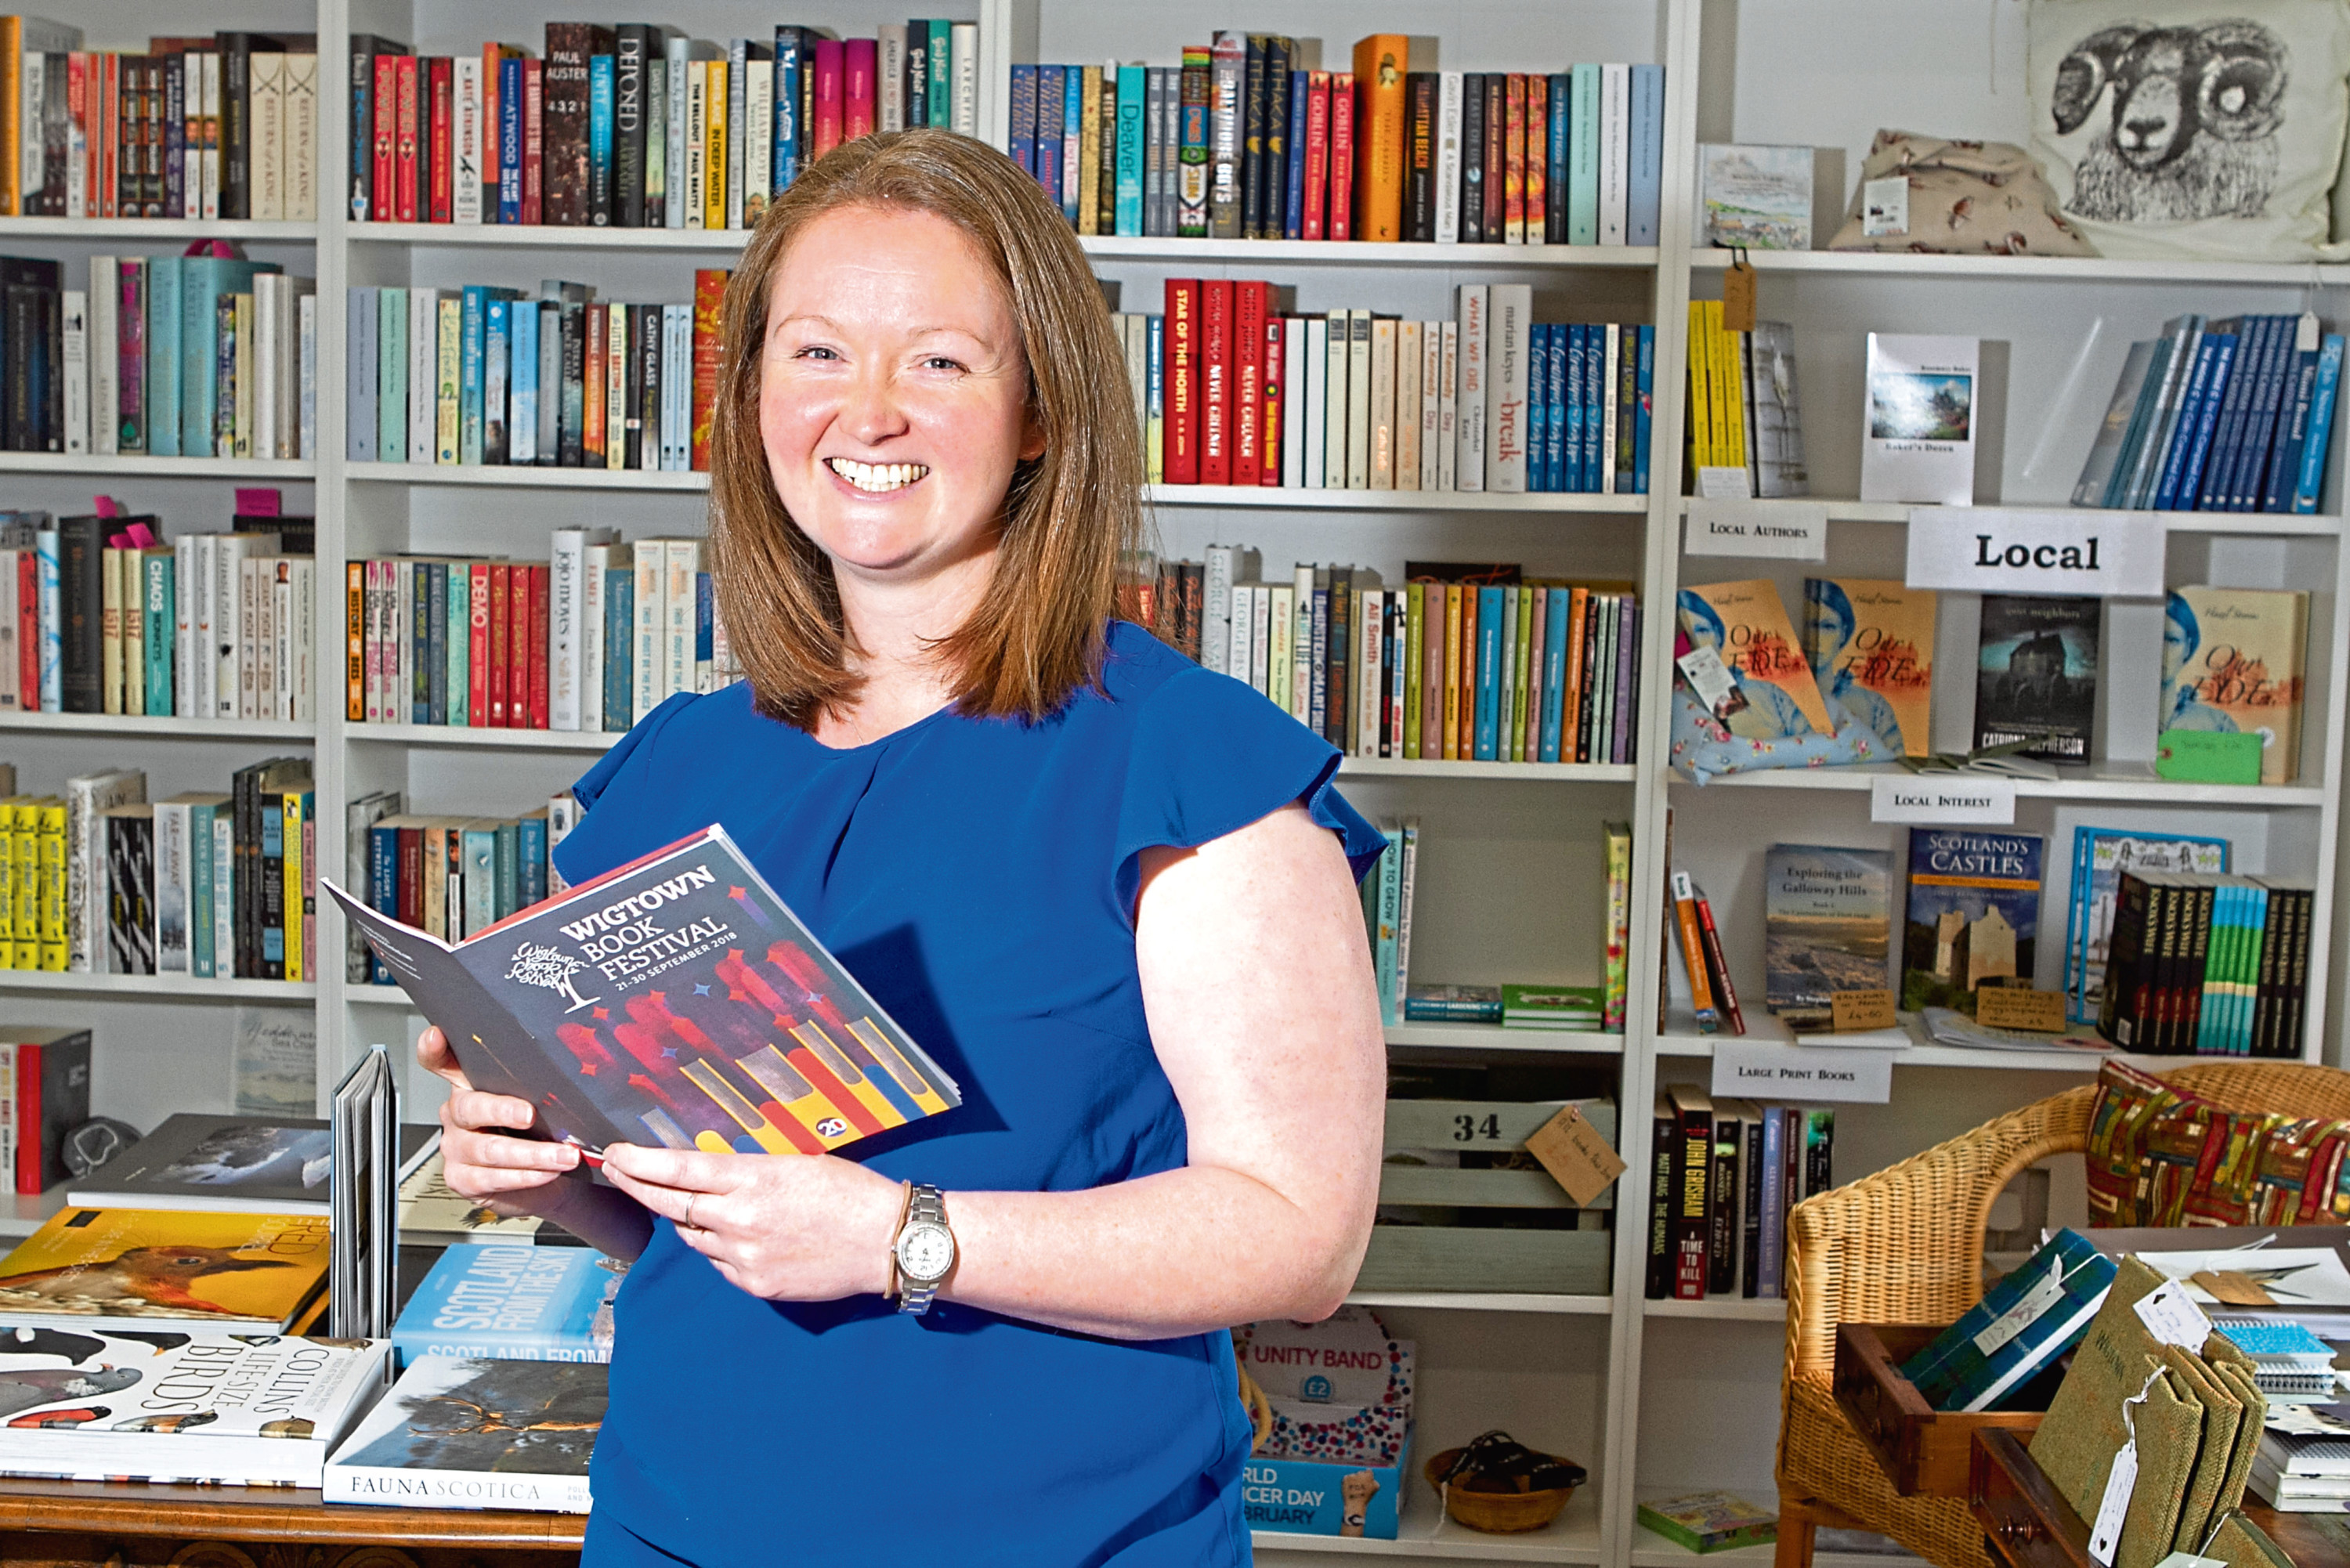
(1943, 801)
(1991, 550)
(1761, 1067)
(1791, 531)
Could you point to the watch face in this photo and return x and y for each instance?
(926, 1251)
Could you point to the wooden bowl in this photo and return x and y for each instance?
(1495, 1513)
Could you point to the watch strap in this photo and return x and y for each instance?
(925, 1205)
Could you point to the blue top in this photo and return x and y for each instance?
(978, 876)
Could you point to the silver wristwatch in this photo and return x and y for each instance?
(925, 1249)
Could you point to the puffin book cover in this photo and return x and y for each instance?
(214, 1409)
(675, 998)
(142, 1269)
(462, 1431)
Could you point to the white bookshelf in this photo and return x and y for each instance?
(1653, 1397)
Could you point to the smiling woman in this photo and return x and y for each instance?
(1111, 893)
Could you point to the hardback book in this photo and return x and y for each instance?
(1571, 1007)
(1710, 1520)
(229, 1165)
(2022, 1325)
(2233, 661)
(2036, 674)
(1871, 648)
(459, 1431)
(91, 1402)
(1756, 198)
(1917, 442)
(1829, 922)
(2101, 856)
(155, 1269)
(1693, 1165)
(1973, 916)
(506, 1302)
(1747, 626)
(709, 1016)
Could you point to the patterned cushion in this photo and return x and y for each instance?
(2160, 1156)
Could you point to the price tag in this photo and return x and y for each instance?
(2014, 1007)
(2028, 1307)
(1574, 1154)
(2120, 1481)
(2172, 1318)
(2230, 1288)
(2188, 1560)
(1710, 679)
(1852, 1011)
(1724, 483)
(1738, 293)
(1885, 206)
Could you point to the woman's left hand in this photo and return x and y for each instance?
(801, 1228)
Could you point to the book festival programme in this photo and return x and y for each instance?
(1075, 787)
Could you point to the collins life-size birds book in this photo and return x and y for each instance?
(148, 1268)
(675, 1000)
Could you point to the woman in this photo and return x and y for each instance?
(1108, 891)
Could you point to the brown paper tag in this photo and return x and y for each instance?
(1738, 294)
(2232, 1288)
(1852, 1011)
(2014, 1007)
(1574, 1154)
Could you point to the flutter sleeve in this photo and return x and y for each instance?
(1211, 757)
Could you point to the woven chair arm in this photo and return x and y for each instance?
(1905, 1243)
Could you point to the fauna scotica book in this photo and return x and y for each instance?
(675, 998)
(460, 1431)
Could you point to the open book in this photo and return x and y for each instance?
(676, 1000)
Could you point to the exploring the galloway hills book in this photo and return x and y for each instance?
(1974, 915)
(1829, 914)
(675, 998)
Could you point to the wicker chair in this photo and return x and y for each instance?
(1905, 1245)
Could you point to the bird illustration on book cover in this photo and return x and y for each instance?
(677, 1000)
(128, 1263)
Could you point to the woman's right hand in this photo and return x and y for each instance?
(479, 1161)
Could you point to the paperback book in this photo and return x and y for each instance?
(1756, 198)
(461, 1431)
(2021, 1326)
(235, 1165)
(2036, 675)
(1746, 625)
(2101, 858)
(676, 998)
(513, 1303)
(152, 1269)
(434, 1214)
(210, 1408)
(1919, 443)
(1974, 915)
(2233, 661)
(1829, 914)
(1871, 648)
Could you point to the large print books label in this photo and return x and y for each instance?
(676, 999)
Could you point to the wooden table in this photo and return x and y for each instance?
(53, 1524)
(2027, 1525)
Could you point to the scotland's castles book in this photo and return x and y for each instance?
(675, 1000)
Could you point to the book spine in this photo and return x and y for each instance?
(1717, 968)
(1664, 1145)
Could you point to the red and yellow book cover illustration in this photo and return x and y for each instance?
(135, 1266)
(676, 999)
(1747, 626)
(1871, 648)
(709, 302)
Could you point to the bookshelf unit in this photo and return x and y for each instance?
(1653, 1397)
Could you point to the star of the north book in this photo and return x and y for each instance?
(676, 998)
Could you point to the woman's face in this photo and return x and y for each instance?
(892, 393)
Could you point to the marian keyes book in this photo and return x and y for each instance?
(676, 998)
(466, 1432)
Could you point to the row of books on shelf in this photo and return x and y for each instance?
(196, 356)
(489, 375)
(2165, 952)
(2228, 414)
(1232, 388)
(449, 876)
(224, 126)
(2234, 662)
(592, 641)
(1465, 662)
(1744, 415)
(98, 614)
(1725, 1173)
(637, 124)
(1249, 138)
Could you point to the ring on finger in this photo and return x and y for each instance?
(689, 1202)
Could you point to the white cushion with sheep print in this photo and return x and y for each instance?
(2197, 128)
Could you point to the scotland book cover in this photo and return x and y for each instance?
(675, 998)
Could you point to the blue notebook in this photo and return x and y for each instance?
(2022, 1325)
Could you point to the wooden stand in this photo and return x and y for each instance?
(1925, 1451)
(96, 1523)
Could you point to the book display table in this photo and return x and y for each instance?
(68, 1525)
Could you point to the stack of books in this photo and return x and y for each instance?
(1231, 389)
(224, 126)
(2232, 414)
(1744, 413)
(1250, 138)
(1726, 1173)
(487, 375)
(44, 1096)
(637, 124)
(2207, 964)
(592, 641)
(2303, 1465)
(1463, 663)
(98, 615)
(2021, 1326)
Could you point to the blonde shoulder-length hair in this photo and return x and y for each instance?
(1037, 635)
